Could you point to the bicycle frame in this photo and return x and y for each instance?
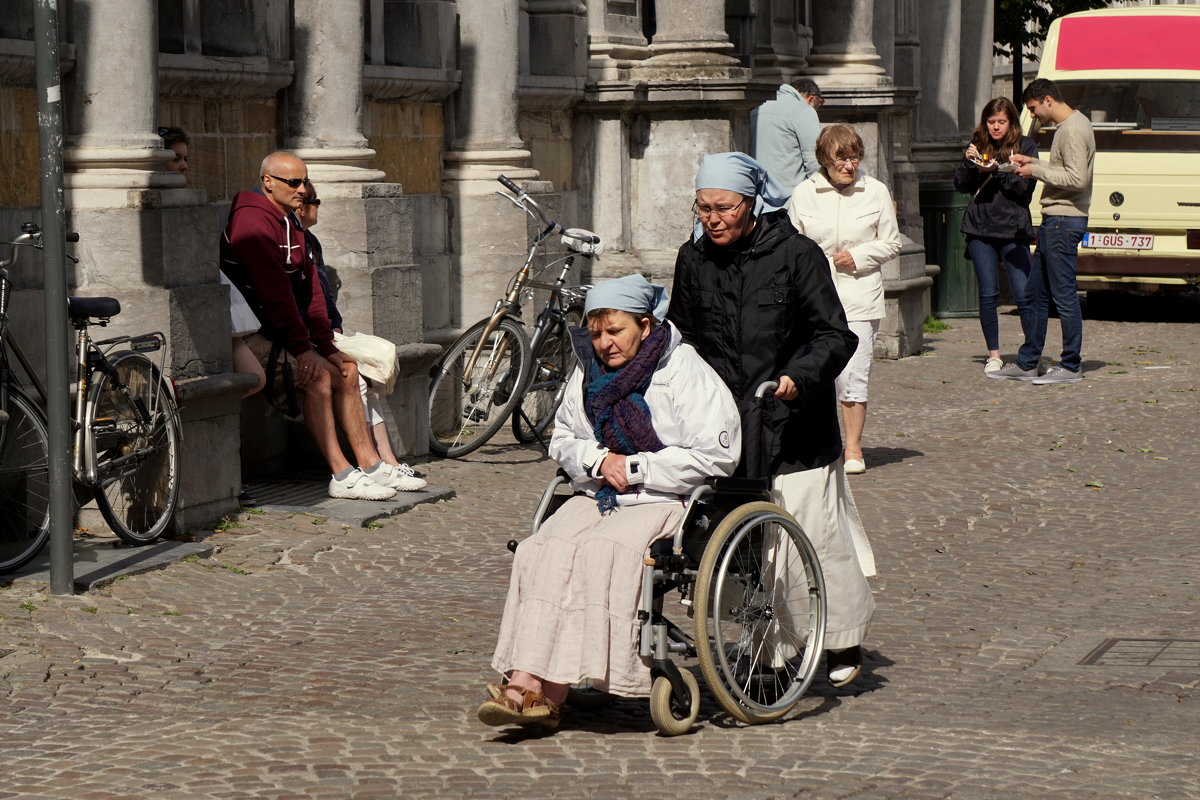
(511, 304)
(91, 356)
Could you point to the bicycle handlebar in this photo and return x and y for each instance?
(31, 236)
(525, 201)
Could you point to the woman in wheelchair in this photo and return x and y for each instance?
(757, 300)
(643, 422)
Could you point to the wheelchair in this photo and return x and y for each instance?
(749, 582)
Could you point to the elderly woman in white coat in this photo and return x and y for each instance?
(643, 422)
(851, 216)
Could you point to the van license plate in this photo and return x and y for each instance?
(1118, 241)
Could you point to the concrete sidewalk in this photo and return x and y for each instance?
(1038, 630)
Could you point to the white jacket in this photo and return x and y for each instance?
(861, 221)
(693, 414)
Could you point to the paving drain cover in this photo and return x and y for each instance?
(1172, 653)
(290, 494)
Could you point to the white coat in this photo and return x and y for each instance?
(861, 221)
(693, 414)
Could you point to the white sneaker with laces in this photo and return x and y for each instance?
(993, 364)
(359, 486)
(387, 475)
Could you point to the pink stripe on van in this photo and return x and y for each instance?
(1143, 42)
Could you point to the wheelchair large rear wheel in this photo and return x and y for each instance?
(760, 613)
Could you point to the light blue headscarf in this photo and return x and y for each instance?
(633, 293)
(738, 172)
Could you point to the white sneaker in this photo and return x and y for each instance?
(993, 365)
(855, 466)
(359, 486)
(393, 478)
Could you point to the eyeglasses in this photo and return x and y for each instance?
(724, 212)
(841, 162)
(295, 183)
(314, 203)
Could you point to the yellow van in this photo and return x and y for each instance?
(1136, 73)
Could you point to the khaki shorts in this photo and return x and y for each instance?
(261, 347)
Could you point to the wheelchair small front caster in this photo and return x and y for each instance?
(671, 717)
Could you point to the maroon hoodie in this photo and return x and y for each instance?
(264, 255)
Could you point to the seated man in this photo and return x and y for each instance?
(263, 253)
(643, 422)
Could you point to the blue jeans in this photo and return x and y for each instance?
(1053, 275)
(986, 255)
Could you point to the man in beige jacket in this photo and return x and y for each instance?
(1066, 197)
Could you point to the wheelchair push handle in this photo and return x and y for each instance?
(764, 389)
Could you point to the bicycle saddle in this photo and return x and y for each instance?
(93, 307)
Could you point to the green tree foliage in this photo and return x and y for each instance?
(1021, 25)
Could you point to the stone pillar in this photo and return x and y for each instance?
(843, 51)
(488, 234)
(325, 99)
(486, 141)
(885, 35)
(691, 33)
(614, 37)
(941, 28)
(907, 52)
(975, 82)
(112, 101)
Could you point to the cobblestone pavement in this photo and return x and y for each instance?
(1017, 528)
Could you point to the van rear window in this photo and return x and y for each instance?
(1135, 42)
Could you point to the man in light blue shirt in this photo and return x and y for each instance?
(783, 132)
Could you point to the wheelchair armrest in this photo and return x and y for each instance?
(750, 487)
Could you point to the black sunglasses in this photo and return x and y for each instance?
(295, 183)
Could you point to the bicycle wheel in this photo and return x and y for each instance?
(24, 482)
(465, 410)
(134, 434)
(760, 612)
(552, 364)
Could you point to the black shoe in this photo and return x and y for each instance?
(246, 501)
(843, 666)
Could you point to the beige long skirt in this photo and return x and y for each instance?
(574, 594)
(821, 502)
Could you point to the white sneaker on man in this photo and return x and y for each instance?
(357, 485)
(386, 475)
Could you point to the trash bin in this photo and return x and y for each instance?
(955, 292)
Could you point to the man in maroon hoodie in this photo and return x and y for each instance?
(264, 255)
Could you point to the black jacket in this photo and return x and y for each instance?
(1000, 210)
(760, 308)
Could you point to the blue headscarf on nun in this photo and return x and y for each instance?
(632, 293)
(738, 172)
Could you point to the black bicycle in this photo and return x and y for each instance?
(125, 421)
(495, 369)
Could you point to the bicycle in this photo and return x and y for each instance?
(495, 370)
(125, 424)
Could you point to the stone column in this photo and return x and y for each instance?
(325, 99)
(941, 30)
(112, 104)
(843, 51)
(486, 140)
(691, 33)
(907, 52)
(975, 83)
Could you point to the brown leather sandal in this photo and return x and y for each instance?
(532, 709)
(496, 690)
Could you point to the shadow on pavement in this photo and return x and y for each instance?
(878, 456)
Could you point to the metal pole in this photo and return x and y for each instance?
(49, 89)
